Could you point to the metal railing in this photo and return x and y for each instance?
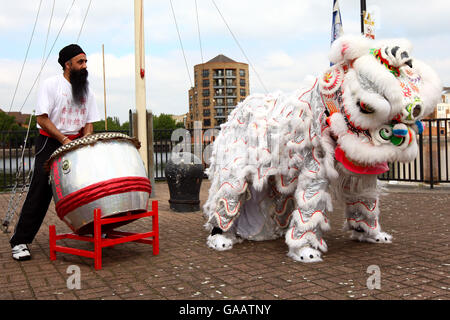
(433, 160)
(430, 167)
(11, 146)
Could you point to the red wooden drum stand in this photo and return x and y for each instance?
(112, 237)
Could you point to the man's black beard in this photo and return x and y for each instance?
(78, 79)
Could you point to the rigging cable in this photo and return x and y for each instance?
(242, 50)
(84, 19)
(181, 43)
(198, 29)
(48, 32)
(51, 49)
(26, 56)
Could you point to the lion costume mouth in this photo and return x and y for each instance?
(354, 166)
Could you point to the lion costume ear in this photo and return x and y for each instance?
(348, 48)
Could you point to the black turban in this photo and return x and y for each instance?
(68, 53)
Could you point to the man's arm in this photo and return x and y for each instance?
(48, 126)
(88, 129)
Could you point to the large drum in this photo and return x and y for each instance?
(103, 170)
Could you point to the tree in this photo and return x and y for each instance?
(163, 125)
(164, 121)
(33, 124)
(7, 122)
(113, 124)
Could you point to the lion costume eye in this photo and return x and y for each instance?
(385, 132)
(364, 107)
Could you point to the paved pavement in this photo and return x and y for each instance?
(415, 266)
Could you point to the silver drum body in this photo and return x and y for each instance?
(87, 169)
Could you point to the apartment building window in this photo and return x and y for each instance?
(219, 102)
(207, 122)
(206, 83)
(205, 73)
(230, 73)
(230, 102)
(242, 72)
(206, 113)
(218, 92)
(230, 92)
(206, 102)
(206, 92)
(242, 82)
(219, 112)
(242, 92)
(218, 73)
(218, 82)
(230, 82)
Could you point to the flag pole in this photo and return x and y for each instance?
(141, 108)
(104, 86)
(363, 10)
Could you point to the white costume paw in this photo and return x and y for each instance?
(221, 242)
(305, 254)
(381, 237)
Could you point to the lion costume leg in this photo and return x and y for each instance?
(361, 196)
(223, 208)
(309, 221)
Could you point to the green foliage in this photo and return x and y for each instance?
(163, 121)
(33, 124)
(164, 124)
(7, 125)
(180, 125)
(113, 125)
(7, 122)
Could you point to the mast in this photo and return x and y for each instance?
(141, 110)
(104, 86)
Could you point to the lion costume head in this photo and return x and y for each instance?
(376, 94)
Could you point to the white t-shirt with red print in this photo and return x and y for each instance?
(55, 100)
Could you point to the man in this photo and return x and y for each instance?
(66, 109)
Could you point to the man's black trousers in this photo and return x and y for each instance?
(39, 194)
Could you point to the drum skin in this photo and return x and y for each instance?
(106, 173)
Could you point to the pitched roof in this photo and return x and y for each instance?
(221, 58)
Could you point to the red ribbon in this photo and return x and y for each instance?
(99, 190)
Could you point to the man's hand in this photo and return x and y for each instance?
(66, 140)
(48, 126)
(88, 129)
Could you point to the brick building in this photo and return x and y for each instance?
(20, 118)
(441, 112)
(220, 84)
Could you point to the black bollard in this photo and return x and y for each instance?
(184, 174)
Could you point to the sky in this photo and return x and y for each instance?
(283, 41)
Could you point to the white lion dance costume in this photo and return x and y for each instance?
(279, 158)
